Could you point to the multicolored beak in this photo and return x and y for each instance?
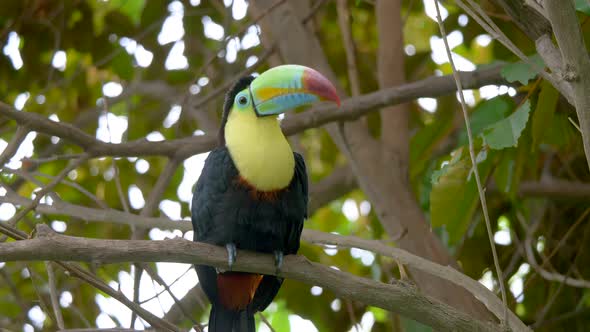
(286, 87)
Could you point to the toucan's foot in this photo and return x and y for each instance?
(231, 254)
(278, 261)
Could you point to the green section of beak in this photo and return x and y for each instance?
(286, 87)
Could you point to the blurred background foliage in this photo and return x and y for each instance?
(128, 69)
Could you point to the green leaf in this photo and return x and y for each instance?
(280, 319)
(583, 6)
(457, 154)
(543, 115)
(561, 133)
(414, 326)
(521, 71)
(454, 196)
(131, 8)
(485, 114)
(509, 170)
(122, 65)
(505, 133)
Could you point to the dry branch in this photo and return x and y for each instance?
(398, 296)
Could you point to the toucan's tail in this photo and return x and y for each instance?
(224, 320)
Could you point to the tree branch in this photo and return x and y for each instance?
(314, 237)
(398, 297)
(576, 62)
(12, 147)
(351, 109)
(338, 183)
(53, 295)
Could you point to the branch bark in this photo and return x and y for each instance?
(576, 61)
(399, 296)
(350, 110)
(313, 237)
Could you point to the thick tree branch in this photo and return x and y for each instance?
(310, 236)
(341, 181)
(555, 188)
(530, 21)
(483, 19)
(576, 61)
(338, 183)
(351, 109)
(399, 297)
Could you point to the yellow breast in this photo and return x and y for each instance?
(259, 150)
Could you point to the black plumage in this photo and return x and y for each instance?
(226, 209)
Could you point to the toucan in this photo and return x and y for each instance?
(253, 190)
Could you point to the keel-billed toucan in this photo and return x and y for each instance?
(252, 192)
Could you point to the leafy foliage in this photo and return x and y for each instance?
(104, 42)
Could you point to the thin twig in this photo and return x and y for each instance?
(149, 209)
(80, 273)
(15, 292)
(30, 176)
(35, 281)
(228, 83)
(266, 322)
(45, 190)
(539, 268)
(312, 11)
(170, 285)
(13, 145)
(53, 158)
(59, 319)
(348, 41)
(222, 47)
(105, 112)
(351, 315)
(156, 277)
(480, 189)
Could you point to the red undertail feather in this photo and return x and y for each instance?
(236, 289)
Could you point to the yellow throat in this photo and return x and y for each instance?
(259, 150)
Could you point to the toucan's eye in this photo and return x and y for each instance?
(242, 100)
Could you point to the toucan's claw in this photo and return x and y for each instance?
(231, 254)
(278, 261)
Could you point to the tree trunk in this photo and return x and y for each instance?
(385, 178)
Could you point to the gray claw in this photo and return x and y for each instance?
(231, 254)
(278, 261)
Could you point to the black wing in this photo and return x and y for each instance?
(212, 183)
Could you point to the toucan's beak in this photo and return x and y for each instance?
(286, 87)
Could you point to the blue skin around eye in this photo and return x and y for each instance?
(238, 97)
